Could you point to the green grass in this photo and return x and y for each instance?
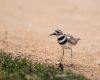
(21, 69)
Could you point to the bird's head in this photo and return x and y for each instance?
(57, 32)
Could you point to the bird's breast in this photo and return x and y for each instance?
(62, 39)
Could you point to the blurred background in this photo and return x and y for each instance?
(25, 26)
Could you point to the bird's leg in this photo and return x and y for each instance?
(62, 55)
(61, 65)
(71, 56)
(72, 65)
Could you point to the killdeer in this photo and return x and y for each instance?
(66, 41)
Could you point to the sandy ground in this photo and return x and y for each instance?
(26, 24)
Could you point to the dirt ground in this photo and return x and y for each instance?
(25, 26)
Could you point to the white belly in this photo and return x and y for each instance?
(67, 45)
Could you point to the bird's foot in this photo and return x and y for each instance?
(61, 66)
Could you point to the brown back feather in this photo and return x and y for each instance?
(73, 40)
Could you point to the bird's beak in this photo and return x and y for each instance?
(52, 34)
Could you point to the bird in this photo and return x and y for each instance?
(66, 41)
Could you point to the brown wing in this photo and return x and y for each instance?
(71, 39)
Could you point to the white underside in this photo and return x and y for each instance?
(67, 45)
